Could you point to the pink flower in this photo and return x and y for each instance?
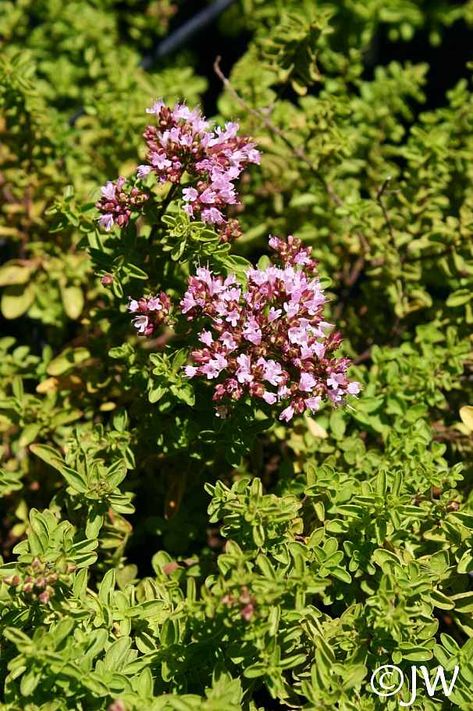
(287, 414)
(108, 191)
(232, 317)
(283, 392)
(212, 215)
(313, 403)
(243, 372)
(106, 221)
(190, 194)
(188, 303)
(214, 366)
(298, 334)
(156, 107)
(252, 332)
(334, 381)
(228, 341)
(141, 323)
(272, 372)
(307, 382)
(208, 196)
(143, 170)
(206, 337)
(160, 162)
(156, 303)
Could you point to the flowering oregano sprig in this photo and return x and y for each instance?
(117, 202)
(268, 340)
(184, 150)
(150, 313)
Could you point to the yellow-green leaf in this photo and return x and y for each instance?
(315, 429)
(67, 360)
(459, 297)
(73, 300)
(15, 273)
(466, 415)
(16, 300)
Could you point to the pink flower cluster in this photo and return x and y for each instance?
(182, 142)
(268, 340)
(118, 201)
(183, 146)
(150, 313)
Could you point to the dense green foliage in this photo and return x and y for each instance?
(155, 556)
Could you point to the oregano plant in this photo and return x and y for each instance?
(236, 361)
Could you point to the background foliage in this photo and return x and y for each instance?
(154, 557)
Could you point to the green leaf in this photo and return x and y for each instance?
(459, 298)
(51, 457)
(463, 602)
(258, 535)
(337, 424)
(107, 586)
(48, 455)
(156, 393)
(95, 521)
(255, 671)
(29, 682)
(415, 653)
(341, 574)
(135, 272)
(29, 434)
(116, 473)
(441, 601)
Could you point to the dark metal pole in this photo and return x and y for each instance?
(177, 38)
